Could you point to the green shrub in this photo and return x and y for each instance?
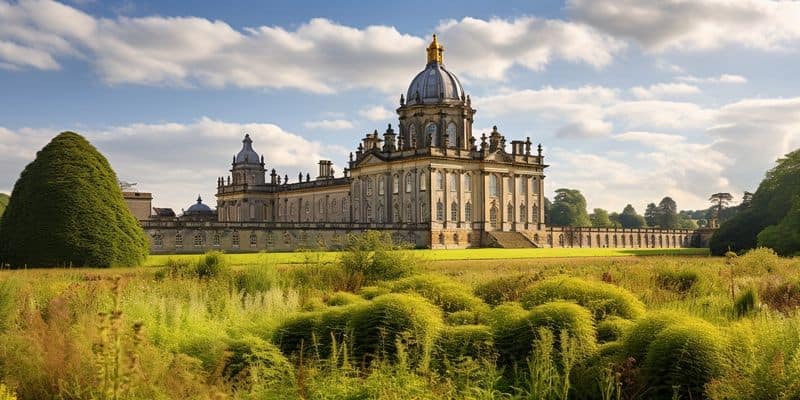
(746, 302)
(612, 329)
(505, 288)
(343, 299)
(313, 304)
(677, 280)
(378, 325)
(251, 359)
(299, 332)
(212, 265)
(474, 341)
(371, 292)
(515, 330)
(373, 256)
(463, 317)
(602, 299)
(682, 359)
(258, 279)
(757, 261)
(645, 331)
(67, 209)
(449, 295)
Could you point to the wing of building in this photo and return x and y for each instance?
(429, 181)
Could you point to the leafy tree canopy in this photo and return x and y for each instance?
(600, 218)
(67, 209)
(3, 203)
(569, 209)
(667, 213)
(651, 215)
(630, 218)
(773, 201)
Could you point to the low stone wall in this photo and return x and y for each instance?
(587, 237)
(176, 237)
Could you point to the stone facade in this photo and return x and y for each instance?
(430, 183)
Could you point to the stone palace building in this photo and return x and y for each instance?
(428, 181)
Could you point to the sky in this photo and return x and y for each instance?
(632, 100)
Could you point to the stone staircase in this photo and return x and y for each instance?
(510, 240)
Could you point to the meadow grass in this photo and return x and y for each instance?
(466, 324)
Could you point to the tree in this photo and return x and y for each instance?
(600, 219)
(569, 209)
(67, 209)
(720, 200)
(784, 237)
(614, 217)
(3, 203)
(651, 215)
(667, 216)
(630, 219)
(548, 205)
(771, 203)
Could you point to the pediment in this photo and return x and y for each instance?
(499, 156)
(370, 159)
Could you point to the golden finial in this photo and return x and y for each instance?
(435, 51)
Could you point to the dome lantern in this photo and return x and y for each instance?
(435, 51)
(435, 84)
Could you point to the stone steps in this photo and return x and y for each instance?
(511, 240)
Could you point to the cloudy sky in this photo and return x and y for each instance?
(632, 100)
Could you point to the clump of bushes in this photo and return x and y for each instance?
(515, 330)
(682, 359)
(343, 299)
(258, 279)
(449, 295)
(677, 280)
(371, 292)
(645, 331)
(746, 302)
(602, 299)
(211, 265)
(395, 318)
(373, 256)
(456, 342)
(251, 359)
(505, 288)
(463, 317)
(612, 329)
(783, 296)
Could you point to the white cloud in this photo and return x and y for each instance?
(376, 113)
(319, 56)
(661, 90)
(166, 159)
(694, 24)
(329, 124)
(724, 78)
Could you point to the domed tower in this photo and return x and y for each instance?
(248, 168)
(435, 112)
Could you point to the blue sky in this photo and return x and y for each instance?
(632, 100)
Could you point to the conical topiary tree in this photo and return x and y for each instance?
(67, 209)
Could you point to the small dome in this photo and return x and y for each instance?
(198, 208)
(247, 155)
(435, 84)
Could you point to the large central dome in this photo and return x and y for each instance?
(435, 84)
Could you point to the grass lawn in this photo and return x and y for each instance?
(302, 257)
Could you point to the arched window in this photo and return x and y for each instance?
(179, 240)
(430, 132)
(235, 239)
(467, 182)
(440, 180)
(535, 213)
(216, 239)
(423, 181)
(158, 240)
(510, 213)
(198, 239)
(368, 208)
(381, 185)
(396, 216)
(523, 213)
(396, 184)
(453, 182)
(439, 211)
(369, 186)
(410, 182)
(494, 186)
(253, 239)
(408, 212)
(252, 211)
(468, 211)
(493, 217)
(452, 140)
(454, 212)
(423, 212)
